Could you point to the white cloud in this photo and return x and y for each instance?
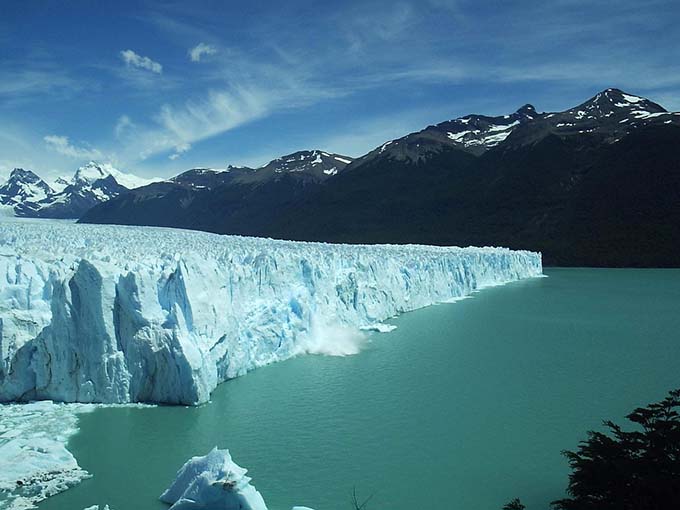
(179, 150)
(133, 59)
(257, 90)
(122, 125)
(62, 145)
(180, 126)
(199, 50)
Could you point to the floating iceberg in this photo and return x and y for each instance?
(213, 482)
(102, 313)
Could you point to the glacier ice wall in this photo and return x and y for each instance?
(100, 313)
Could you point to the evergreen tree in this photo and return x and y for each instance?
(629, 470)
(515, 504)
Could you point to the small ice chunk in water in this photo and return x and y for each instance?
(379, 327)
(34, 461)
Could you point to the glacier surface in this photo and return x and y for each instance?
(102, 313)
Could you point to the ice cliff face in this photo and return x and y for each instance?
(93, 313)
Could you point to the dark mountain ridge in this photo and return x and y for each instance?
(238, 200)
(595, 185)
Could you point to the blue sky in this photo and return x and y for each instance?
(159, 87)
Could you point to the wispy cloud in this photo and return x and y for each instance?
(134, 60)
(62, 145)
(238, 89)
(39, 76)
(357, 62)
(201, 49)
(123, 124)
(179, 150)
(177, 127)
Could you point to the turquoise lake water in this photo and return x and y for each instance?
(463, 407)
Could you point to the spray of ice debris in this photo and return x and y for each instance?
(332, 340)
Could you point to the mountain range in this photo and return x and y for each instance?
(238, 200)
(30, 196)
(595, 185)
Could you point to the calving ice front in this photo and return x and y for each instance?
(128, 314)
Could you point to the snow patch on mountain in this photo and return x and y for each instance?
(632, 99)
(306, 161)
(490, 136)
(58, 184)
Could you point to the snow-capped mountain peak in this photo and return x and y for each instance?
(307, 164)
(91, 184)
(302, 161)
(478, 133)
(527, 110)
(616, 103)
(59, 184)
(23, 185)
(93, 171)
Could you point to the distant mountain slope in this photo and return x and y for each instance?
(595, 185)
(239, 200)
(91, 184)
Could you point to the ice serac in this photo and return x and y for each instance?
(95, 313)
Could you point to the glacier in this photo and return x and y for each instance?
(115, 314)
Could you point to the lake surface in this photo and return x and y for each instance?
(463, 407)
